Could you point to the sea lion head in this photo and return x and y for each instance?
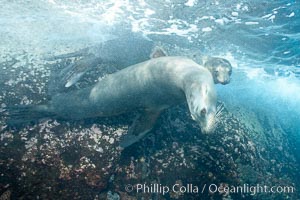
(202, 105)
(220, 68)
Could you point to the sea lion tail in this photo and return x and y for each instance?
(25, 114)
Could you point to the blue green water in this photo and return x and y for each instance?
(261, 39)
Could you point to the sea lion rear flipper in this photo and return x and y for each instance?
(140, 127)
(81, 52)
(21, 115)
(72, 73)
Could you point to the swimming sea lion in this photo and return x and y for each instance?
(119, 52)
(109, 52)
(220, 68)
(150, 86)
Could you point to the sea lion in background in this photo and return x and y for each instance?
(126, 50)
(150, 86)
(220, 68)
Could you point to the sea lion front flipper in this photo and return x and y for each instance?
(140, 127)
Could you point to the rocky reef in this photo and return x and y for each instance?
(54, 159)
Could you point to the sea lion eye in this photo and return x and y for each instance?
(203, 112)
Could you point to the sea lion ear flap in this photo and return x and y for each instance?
(158, 52)
(204, 89)
(199, 58)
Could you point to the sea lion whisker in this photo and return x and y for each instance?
(217, 116)
(220, 108)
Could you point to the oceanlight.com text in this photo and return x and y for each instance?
(210, 188)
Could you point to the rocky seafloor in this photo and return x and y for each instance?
(54, 159)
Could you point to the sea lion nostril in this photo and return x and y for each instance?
(203, 112)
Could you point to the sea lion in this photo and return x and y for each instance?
(150, 86)
(119, 52)
(73, 72)
(220, 68)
